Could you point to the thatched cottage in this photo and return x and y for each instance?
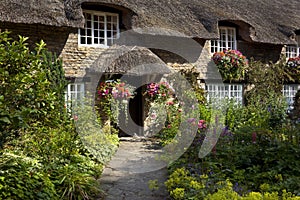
(85, 33)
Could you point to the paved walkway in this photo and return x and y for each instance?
(128, 174)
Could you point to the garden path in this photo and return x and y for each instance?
(127, 175)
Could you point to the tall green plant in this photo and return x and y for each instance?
(32, 84)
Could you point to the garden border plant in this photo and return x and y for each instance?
(257, 155)
(41, 155)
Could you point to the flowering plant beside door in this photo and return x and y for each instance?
(112, 97)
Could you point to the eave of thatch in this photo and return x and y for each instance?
(128, 60)
(46, 12)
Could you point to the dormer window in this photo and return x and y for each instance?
(101, 29)
(293, 51)
(227, 40)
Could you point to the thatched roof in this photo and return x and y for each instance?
(131, 61)
(46, 12)
(268, 21)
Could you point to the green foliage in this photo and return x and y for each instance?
(182, 185)
(258, 151)
(41, 156)
(22, 177)
(269, 114)
(226, 192)
(265, 80)
(31, 86)
(100, 140)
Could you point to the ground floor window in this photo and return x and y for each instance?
(74, 93)
(218, 92)
(289, 92)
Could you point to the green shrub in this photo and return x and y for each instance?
(22, 177)
(32, 85)
(41, 153)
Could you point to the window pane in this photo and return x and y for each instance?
(88, 24)
(115, 19)
(82, 40)
(219, 92)
(227, 40)
(89, 40)
(102, 34)
(103, 26)
(89, 32)
(96, 25)
(88, 16)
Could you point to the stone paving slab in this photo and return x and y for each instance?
(127, 175)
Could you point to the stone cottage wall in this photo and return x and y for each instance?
(206, 67)
(64, 42)
(77, 58)
(54, 37)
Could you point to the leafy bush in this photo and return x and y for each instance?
(41, 156)
(32, 84)
(22, 177)
(258, 151)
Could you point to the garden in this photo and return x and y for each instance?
(41, 154)
(257, 152)
(253, 149)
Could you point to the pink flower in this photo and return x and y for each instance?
(75, 117)
(201, 124)
(153, 115)
(170, 103)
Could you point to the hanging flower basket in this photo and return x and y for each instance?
(113, 95)
(293, 69)
(231, 64)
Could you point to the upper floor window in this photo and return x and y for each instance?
(293, 51)
(100, 29)
(227, 40)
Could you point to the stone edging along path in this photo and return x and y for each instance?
(127, 175)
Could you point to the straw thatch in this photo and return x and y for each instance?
(269, 21)
(46, 12)
(266, 21)
(131, 61)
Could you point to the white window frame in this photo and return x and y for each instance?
(293, 51)
(289, 92)
(74, 94)
(216, 92)
(227, 40)
(93, 31)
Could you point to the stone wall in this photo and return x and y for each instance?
(54, 37)
(60, 40)
(64, 42)
(77, 58)
(206, 67)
